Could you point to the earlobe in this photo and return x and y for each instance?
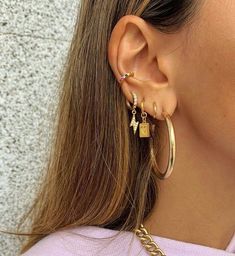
(135, 46)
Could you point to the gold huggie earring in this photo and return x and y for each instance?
(144, 131)
(155, 110)
(171, 159)
(130, 74)
(133, 123)
(153, 125)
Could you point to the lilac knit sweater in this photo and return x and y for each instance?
(72, 242)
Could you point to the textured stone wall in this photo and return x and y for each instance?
(34, 38)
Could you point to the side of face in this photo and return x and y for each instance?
(190, 74)
(205, 79)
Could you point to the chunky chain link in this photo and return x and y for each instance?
(148, 242)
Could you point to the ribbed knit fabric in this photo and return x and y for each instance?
(72, 242)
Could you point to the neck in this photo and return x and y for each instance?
(195, 203)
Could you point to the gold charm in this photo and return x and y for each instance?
(133, 123)
(144, 131)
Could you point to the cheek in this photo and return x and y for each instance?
(213, 42)
(206, 80)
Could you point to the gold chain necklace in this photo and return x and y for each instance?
(147, 241)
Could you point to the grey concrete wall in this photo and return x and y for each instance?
(34, 38)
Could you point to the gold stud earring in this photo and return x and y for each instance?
(133, 123)
(144, 131)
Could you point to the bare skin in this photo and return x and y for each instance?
(189, 74)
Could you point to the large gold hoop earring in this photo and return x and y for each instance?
(171, 159)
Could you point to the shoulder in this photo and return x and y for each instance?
(84, 240)
(51, 245)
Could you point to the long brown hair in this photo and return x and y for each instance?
(98, 172)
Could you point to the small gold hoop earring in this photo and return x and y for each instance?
(153, 125)
(171, 158)
(126, 75)
(133, 122)
(155, 110)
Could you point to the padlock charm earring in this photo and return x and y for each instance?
(144, 131)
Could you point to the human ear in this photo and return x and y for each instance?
(136, 46)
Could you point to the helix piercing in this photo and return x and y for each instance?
(130, 74)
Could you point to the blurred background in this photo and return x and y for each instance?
(34, 39)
